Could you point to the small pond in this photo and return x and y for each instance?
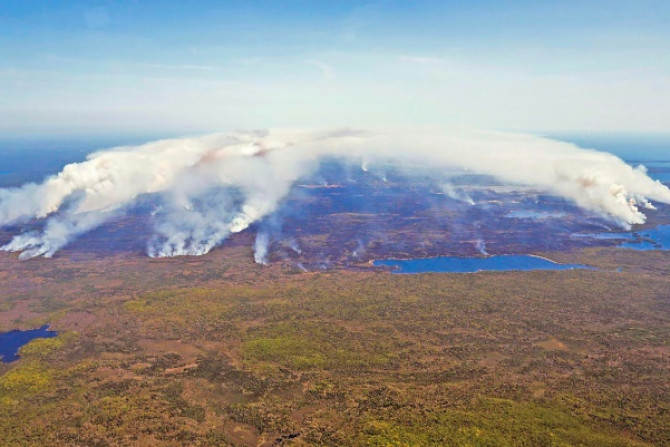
(11, 341)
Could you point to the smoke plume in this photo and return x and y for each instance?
(261, 247)
(209, 187)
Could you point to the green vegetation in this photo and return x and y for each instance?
(491, 422)
(26, 380)
(313, 345)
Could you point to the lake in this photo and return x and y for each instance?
(657, 238)
(11, 341)
(455, 264)
(653, 239)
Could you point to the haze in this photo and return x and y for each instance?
(173, 68)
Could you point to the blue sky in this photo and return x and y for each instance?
(108, 67)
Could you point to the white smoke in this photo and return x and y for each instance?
(480, 246)
(261, 245)
(456, 193)
(220, 184)
(56, 234)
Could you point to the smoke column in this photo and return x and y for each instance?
(215, 185)
(261, 247)
(481, 247)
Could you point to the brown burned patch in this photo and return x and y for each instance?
(181, 369)
(492, 359)
(20, 316)
(186, 351)
(109, 375)
(553, 344)
(75, 321)
(140, 366)
(538, 389)
(323, 238)
(241, 433)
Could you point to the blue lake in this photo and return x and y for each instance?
(11, 342)
(657, 238)
(653, 239)
(454, 264)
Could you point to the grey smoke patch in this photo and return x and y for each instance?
(480, 246)
(292, 243)
(457, 193)
(360, 249)
(376, 170)
(213, 186)
(261, 246)
(269, 233)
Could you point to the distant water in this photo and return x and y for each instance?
(535, 215)
(11, 342)
(658, 170)
(454, 264)
(31, 160)
(653, 239)
(606, 236)
(657, 238)
(633, 147)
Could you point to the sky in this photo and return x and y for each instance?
(178, 67)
